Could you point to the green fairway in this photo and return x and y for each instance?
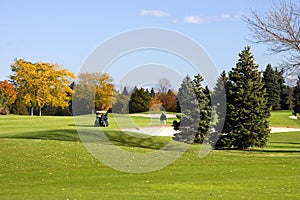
(281, 118)
(43, 158)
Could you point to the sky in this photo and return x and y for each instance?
(66, 32)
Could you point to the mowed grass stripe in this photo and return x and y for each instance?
(43, 158)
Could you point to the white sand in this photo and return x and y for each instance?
(169, 131)
(153, 115)
(153, 131)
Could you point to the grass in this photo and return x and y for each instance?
(281, 118)
(43, 158)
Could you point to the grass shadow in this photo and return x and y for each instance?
(276, 150)
(292, 143)
(56, 134)
(121, 138)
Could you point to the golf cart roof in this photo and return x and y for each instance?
(101, 112)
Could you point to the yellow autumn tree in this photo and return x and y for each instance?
(42, 84)
(105, 95)
(84, 93)
(94, 91)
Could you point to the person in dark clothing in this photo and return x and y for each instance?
(163, 119)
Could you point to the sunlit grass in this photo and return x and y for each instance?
(43, 158)
(281, 118)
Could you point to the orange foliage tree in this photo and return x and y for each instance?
(9, 92)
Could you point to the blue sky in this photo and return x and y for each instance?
(66, 32)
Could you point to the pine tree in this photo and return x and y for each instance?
(219, 98)
(3, 101)
(122, 104)
(272, 86)
(196, 110)
(296, 97)
(139, 100)
(125, 91)
(246, 123)
(189, 106)
(285, 91)
(205, 108)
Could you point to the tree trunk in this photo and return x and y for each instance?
(31, 111)
(40, 111)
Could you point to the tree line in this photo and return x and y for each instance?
(251, 95)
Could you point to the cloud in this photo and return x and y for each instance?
(213, 19)
(193, 20)
(155, 13)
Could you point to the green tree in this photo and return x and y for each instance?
(139, 100)
(3, 101)
(219, 95)
(125, 91)
(190, 113)
(296, 97)
(122, 104)
(19, 107)
(246, 122)
(285, 91)
(272, 87)
(205, 108)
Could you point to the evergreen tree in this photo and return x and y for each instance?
(121, 105)
(3, 109)
(219, 97)
(296, 98)
(285, 91)
(125, 91)
(246, 122)
(196, 110)
(205, 108)
(272, 86)
(139, 100)
(189, 118)
(19, 107)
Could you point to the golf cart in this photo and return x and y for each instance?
(101, 119)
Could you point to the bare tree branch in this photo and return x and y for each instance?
(279, 29)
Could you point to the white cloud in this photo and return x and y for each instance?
(155, 13)
(213, 19)
(193, 19)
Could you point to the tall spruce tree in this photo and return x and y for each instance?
(272, 86)
(285, 91)
(246, 122)
(196, 110)
(189, 118)
(205, 108)
(296, 98)
(219, 95)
